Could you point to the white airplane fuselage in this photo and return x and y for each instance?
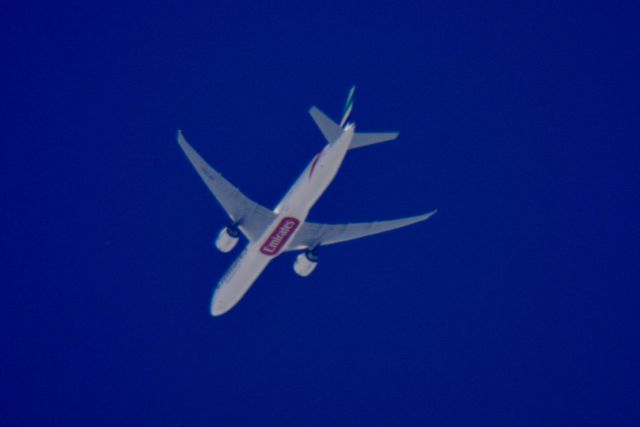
(291, 213)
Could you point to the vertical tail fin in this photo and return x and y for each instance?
(348, 106)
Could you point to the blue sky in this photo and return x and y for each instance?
(515, 305)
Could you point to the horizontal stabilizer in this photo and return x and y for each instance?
(328, 127)
(313, 234)
(364, 139)
(332, 131)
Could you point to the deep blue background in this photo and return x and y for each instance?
(515, 305)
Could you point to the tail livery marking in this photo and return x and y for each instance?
(348, 106)
(313, 165)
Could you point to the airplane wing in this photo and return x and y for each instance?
(312, 234)
(251, 218)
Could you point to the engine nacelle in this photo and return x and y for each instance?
(227, 239)
(305, 263)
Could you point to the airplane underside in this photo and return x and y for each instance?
(272, 232)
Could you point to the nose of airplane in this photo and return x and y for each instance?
(218, 307)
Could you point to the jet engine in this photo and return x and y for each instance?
(227, 238)
(305, 263)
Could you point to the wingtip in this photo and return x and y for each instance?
(181, 139)
(429, 214)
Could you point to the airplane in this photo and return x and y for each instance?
(283, 229)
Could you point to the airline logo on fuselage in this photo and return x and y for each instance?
(278, 238)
